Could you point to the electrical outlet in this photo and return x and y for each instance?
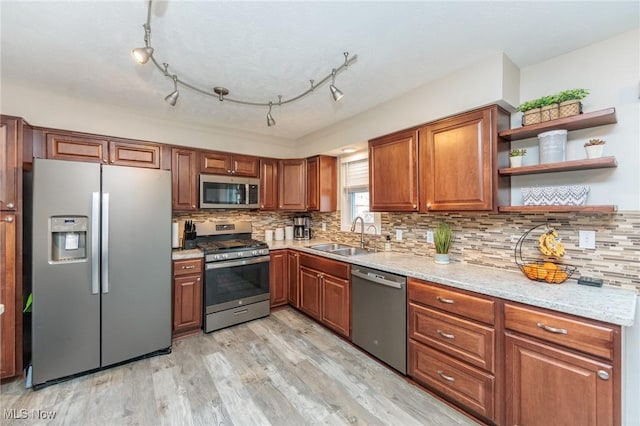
(429, 237)
(398, 234)
(324, 226)
(587, 239)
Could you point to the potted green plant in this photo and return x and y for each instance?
(549, 109)
(570, 102)
(442, 239)
(515, 157)
(594, 148)
(531, 111)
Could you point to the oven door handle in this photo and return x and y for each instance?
(237, 262)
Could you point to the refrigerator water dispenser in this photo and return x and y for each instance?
(68, 238)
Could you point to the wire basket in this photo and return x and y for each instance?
(546, 270)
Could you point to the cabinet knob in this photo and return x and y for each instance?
(193, 206)
(10, 205)
(8, 219)
(428, 206)
(603, 375)
(113, 161)
(105, 161)
(415, 206)
(198, 279)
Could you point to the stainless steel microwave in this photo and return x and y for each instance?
(229, 192)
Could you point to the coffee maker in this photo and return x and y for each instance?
(301, 228)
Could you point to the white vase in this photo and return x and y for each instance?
(515, 161)
(441, 258)
(594, 151)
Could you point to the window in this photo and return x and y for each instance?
(355, 195)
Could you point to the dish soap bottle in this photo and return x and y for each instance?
(387, 243)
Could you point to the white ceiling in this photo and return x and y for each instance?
(259, 50)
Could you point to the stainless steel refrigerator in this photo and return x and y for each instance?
(101, 266)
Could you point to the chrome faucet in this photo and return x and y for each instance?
(353, 228)
(375, 232)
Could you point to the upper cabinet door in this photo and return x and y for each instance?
(9, 163)
(393, 172)
(322, 182)
(222, 163)
(134, 154)
(268, 184)
(457, 169)
(292, 184)
(184, 179)
(67, 146)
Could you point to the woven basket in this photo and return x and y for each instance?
(549, 112)
(570, 108)
(531, 117)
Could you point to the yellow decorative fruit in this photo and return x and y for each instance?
(556, 277)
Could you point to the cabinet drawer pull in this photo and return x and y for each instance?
(189, 267)
(446, 335)
(552, 329)
(8, 219)
(243, 311)
(603, 375)
(443, 300)
(444, 376)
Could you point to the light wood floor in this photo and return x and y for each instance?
(280, 370)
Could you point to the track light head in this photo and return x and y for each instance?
(142, 54)
(172, 97)
(336, 93)
(270, 120)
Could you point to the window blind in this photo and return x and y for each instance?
(356, 175)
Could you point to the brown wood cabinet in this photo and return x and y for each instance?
(393, 172)
(187, 296)
(224, 163)
(184, 179)
(452, 346)
(560, 369)
(134, 154)
(75, 146)
(292, 184)
(14, 133)
(8, 291)
(459, 161)
(325, 291)
(293, 270)
(322, 183)
(268, 184)
(278, 277)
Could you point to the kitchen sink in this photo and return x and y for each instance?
(341, 249)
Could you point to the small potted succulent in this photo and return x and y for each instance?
(594, 148)
(442, 238)
(515, 157)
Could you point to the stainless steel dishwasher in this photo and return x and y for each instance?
(379, 315)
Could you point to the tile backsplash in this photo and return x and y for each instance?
(485, 239)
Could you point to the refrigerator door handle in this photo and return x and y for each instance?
(105, 242)
(95, 243)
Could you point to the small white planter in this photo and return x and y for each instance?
(594, 151)
(441, 258)
(515, 161)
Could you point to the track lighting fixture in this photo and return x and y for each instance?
(336, 93)
(144, 54)
(270, 120)
(172, 97)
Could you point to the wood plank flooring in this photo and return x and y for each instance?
(281, 370)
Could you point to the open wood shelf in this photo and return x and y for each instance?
(576, 122)
(558, 209)
(564, 166)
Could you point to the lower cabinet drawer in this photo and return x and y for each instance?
(469, 386)
(466, 340)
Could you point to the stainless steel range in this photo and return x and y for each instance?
(236, 282)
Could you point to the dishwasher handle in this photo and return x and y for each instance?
(375, 278)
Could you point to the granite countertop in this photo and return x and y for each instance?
(608, 304)
(179, 254)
